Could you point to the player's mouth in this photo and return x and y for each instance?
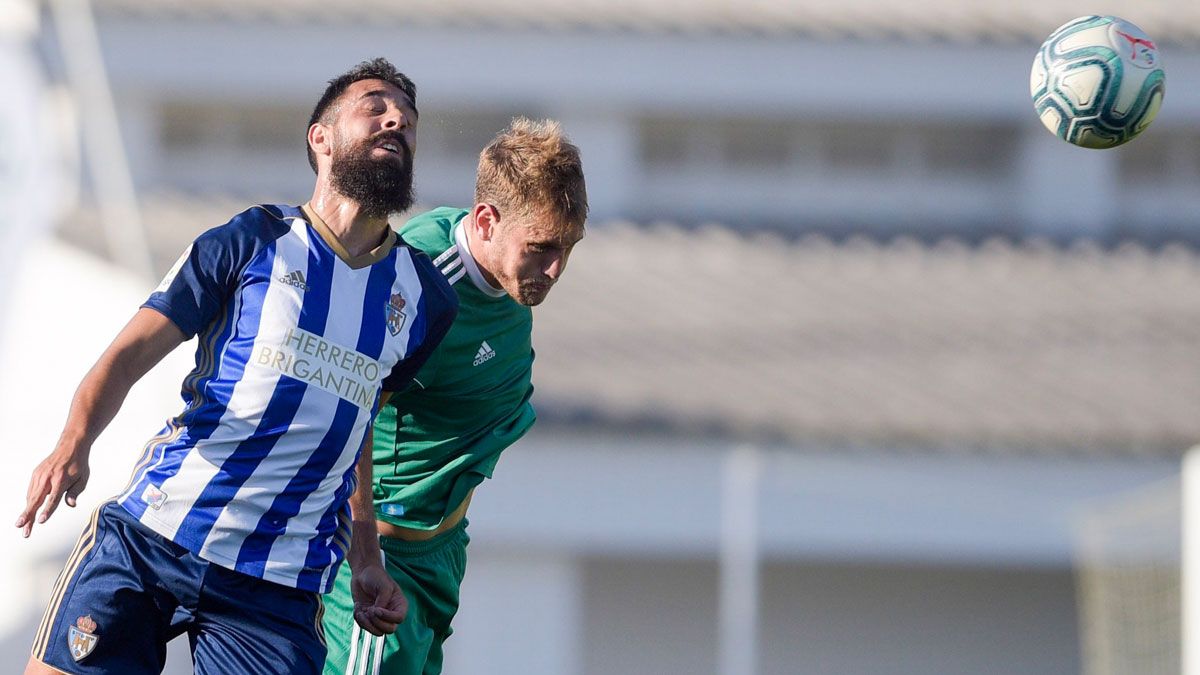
(392, 146)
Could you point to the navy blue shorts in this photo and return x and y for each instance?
(126, 590)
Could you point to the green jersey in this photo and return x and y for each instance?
(442, 436)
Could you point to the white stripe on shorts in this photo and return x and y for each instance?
(358, 635)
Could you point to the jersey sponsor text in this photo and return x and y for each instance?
(338, 370)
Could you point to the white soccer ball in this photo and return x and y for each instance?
(1097, 81)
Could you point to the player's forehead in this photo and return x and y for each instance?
(551, 230)
(372, 88)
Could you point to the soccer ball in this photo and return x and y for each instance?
(1097, 82)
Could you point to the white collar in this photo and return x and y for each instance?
(473, 271)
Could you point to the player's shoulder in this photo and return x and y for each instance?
(260, 223)
(433, 230)
(243, 236)
(438, 293)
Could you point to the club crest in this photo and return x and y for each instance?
(395, 314)
(82, 637)
(154, 497)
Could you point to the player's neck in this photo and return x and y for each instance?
(358, 232)
(478, 252)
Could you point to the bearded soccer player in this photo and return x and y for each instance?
(440, 438)
(237, 517)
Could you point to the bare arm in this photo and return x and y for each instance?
(379, 604)
(142, 343)
(364, 539)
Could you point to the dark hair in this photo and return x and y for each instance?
(376, 69)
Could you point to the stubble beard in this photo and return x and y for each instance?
(532, 296)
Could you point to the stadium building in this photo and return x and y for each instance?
(859, 370)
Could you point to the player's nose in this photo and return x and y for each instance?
(555, 269)
(394, 119)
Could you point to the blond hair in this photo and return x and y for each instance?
(530, 169)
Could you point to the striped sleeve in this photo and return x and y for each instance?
(450, 264)
(202, 280)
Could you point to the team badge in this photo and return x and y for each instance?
(395, 314)
(82, 637)
(153, 497)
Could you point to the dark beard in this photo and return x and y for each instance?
(380, 186)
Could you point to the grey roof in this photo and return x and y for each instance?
(1175, 20)
(1025, 345)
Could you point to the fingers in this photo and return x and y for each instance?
(390, 605)
(379, 604)
(391, 615)
(26, 520)
(52, 502)
(378, 619)
(374, 620)
(384, 612)
(397, 606)
(73, 492)
(45, 493)
(25, 523)
(38, 490)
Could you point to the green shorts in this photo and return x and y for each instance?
(430, 573)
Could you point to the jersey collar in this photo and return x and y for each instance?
(473, 271)
(354, 262)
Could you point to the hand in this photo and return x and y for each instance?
(379, 604)
(62, 473)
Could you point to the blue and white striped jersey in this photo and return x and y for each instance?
(296, 342)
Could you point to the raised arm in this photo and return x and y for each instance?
(146, 339)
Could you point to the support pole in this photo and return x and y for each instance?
(1190, 567)
(739, 593)
(107, 162)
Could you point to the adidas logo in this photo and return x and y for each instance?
(485, 352)
(295, 278)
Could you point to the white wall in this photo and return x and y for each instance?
(647, 495)
(874, 561)
(656, 617)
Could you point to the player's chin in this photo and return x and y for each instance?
(533, 295)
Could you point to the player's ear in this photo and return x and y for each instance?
(318, 139)
(487, 219)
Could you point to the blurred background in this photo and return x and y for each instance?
(859, 370)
